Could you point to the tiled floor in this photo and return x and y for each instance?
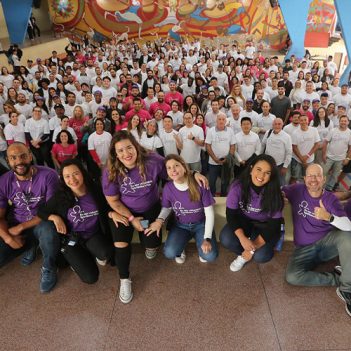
(190, 307)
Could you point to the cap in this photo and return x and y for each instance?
(101, 108)
(307, 100)
(342, 106)
(135, 86)
(98, 92)
(204, 87)
(249, 100)
(315, 100)
(58, 106)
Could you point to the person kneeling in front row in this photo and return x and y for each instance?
(194, 214)
(254, 213)
(321, 233)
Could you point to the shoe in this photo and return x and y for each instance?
(125, 291)
(237, 264)
(101, 262)
(29, 256)
(338, 270)
(181, 259)
(202, 260)
(345, 297)
(48, 280)
(150, 253)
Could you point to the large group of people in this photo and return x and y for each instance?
(122, 137)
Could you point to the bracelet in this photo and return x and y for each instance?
(161, 219)
(193, 138)
(131, 218)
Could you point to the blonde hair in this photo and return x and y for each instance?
(194, 192)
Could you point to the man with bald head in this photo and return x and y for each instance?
(321, 233)
(22, 190)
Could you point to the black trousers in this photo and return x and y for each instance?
(42, 154)
(81, 256)
(124, 234)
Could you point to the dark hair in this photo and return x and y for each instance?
(69, 135)
(316, 119)
(97, 120)
(92, 188)
(272, 198)
(245, 119)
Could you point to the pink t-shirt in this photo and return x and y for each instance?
(63, 153)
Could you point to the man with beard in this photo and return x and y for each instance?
(26, 187)
(148, 83)
(160, 104)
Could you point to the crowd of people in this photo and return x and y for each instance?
(122, 137)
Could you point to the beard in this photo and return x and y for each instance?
(26, 170)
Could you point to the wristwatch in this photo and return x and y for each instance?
(208, 240)
(331, 219)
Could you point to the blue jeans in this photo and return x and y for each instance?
(231, 242)
(305, 258)
(49, 243)
(180, 234)
(214, 172)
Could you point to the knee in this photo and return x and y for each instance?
(293, 277)
(209, 257)
(120, 245)
(169, 252)
(90, 278)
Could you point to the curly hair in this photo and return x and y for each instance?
(115, 167)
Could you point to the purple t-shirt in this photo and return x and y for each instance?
(347, 208)
(253, 210)
(138, 194)
(26, 196)
(307, 228)
(83, 217)
(185, 210)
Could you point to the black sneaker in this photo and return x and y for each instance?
(346, 298)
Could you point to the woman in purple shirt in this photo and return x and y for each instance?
(254, 213)
(130, 184)
(79, 211)
(193, 209)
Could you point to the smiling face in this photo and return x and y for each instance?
(19, 159)
(261, 173)
(126, 153)
(314, 179)
(73, 178)
(175, 171)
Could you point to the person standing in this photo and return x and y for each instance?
(281, 104)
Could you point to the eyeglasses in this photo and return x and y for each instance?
(310, 176)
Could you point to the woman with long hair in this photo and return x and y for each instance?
(117, 122)
(237, 94)
(324, 125)
(130, 184)
(6, 78)
(79, 212)
(135, 127)
(297, 94)
(193, 210)
(254, 213)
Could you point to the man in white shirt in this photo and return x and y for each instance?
(305, 141)
(211, 115)
(176, 115)
(249, 112)
(277, 144)
(192, 137)
(248, 146)
(169, 137)
(233, 120)
(336, 152)
(220, 142)
(247, 88)
(107, 91)
(343, 98)
(222, 78)
(22, 106)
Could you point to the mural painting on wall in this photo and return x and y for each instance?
(321, 16)
(149, 19)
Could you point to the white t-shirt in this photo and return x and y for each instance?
(338, 143)
(25, 110)
(278, 146)
(265, 122)
(305, 140)
(168, 141)
(36, 128)
(252, 114)
(15, 133)
(234, 124)
(177, 118)
(322, 129)
(152, 143)
(101, 144)
(220, 141)
(191, 151)
(247, 145)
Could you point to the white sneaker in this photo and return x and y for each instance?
(150, 253)
(125, 290)
(237, 264)
(181, 259)
(101, 262)
(202, 260)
